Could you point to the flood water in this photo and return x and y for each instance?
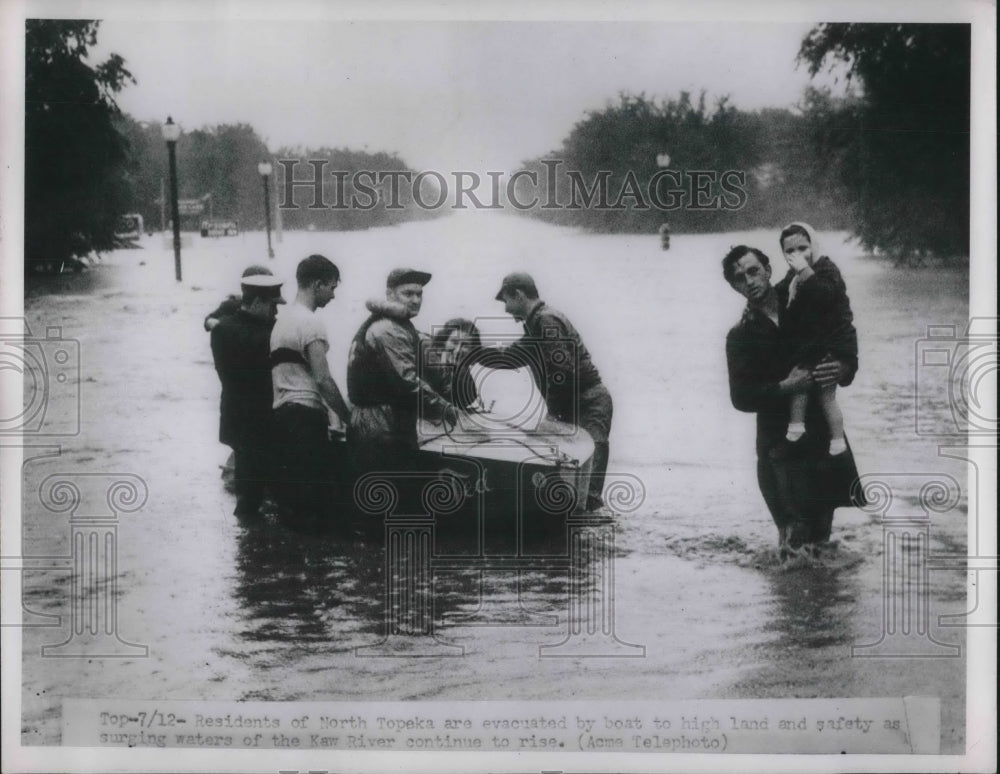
(701, 608)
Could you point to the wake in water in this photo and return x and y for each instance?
(707, 549)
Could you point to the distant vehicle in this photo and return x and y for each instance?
(66, 265)
(130, 229)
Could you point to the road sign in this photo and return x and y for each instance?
(190, 206)
(219, 228)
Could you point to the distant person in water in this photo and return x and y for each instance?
(665, 236)
(232, 303)
(817, 323)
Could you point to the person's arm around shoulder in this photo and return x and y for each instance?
(228, 307)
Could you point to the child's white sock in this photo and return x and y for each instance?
(837, 446)
(795, 431)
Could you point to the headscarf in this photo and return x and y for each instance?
(817, 252)
(813, 239)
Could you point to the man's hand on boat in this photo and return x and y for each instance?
(451, 414)
(448, 417)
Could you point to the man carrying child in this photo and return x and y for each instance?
(801, 483)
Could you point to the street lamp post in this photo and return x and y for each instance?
(171, 133)
(265, 172)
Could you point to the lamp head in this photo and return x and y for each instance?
(171, 131)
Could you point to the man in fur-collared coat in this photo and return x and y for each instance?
(383, 381)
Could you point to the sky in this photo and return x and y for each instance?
(444, 95)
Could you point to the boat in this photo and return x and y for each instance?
(491, 488)
(516, 487)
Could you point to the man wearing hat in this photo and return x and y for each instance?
(304, 394)
(231, 304)
(240, 348)
(562, 370)
(383, 381)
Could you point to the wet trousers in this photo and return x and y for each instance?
(250, 476)
(304, 472)
(596, 409)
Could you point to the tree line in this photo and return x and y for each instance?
(218, 165)
(890, 161)
(640, 163)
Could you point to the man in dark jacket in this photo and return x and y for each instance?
(563, 371)
(800, 483)
(241, 348)
(384, 382)
(231, 304)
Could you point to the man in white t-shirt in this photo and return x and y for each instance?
(304, 391)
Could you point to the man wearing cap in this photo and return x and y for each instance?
(240, 348)
(304, 393)
(383, 381)
(231, 303)
(562, 370)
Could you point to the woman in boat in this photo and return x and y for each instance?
(448, 359)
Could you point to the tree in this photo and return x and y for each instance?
(75, 182)
(146, 169)
(622, 142)
(902, 146)
(221, 161)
